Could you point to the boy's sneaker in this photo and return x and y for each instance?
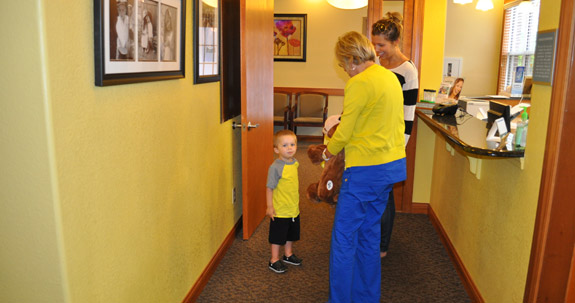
(278, 267)
(293, 260)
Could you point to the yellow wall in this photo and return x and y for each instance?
(430, 77)
(31, 264)
(490, 221)
(111, 185)
(475, 36)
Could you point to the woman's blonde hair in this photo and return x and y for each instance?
(353, 47)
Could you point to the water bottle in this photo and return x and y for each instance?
(521, 132)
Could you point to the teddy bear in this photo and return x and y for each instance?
(327, 188)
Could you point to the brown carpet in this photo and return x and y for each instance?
(416, 269)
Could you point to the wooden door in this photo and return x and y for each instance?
(550, 274)
(257, 107)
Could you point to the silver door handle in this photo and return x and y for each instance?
(236, 125)
(250, 125)
(239, 125)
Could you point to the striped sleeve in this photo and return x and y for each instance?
(407, 75)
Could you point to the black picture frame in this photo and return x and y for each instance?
(207, 41)
(290, 37)
(143, 57)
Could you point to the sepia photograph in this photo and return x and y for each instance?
(168, 35)
(122, 25)
(147, 32)
(138, 40)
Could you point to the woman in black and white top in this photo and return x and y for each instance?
(385, 37)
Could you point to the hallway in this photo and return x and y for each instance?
(417, 268)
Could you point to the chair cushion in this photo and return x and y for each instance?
(311, 105)
(281, 101)
(309, 120)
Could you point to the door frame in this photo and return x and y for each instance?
(552, 250)
(412, 45)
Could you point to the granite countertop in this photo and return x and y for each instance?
(467, 132)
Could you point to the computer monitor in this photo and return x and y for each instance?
(498, 110)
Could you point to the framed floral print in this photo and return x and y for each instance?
(290, 34)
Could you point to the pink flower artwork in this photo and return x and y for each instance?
(289, 31)
(286, 27)
(294, 42)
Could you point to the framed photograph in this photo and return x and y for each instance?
(138, 40)
(290, 32)
(206, 41)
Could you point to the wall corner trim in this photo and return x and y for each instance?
(204, 278)
(464, 275)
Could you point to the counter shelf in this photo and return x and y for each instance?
(470, 135)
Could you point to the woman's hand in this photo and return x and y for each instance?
(326, 155)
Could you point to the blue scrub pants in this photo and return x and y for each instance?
(355, 265)
(387, 223)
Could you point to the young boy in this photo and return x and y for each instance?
(282, 195)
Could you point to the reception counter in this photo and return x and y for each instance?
(469, 134)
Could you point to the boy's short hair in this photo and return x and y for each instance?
(281, 133)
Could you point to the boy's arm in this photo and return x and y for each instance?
(270, 211)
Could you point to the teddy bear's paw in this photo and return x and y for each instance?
(311, 193)
(314, 153)
(331, 203)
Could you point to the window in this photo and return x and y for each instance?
(519, 35)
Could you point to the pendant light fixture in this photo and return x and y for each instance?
(484, 5)
(348, 4)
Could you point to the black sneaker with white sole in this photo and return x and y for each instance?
(278, 267)
(293, 260)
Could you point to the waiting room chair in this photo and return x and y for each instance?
(310, 109)
(282, 109)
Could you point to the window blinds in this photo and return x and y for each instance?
(519, 36)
